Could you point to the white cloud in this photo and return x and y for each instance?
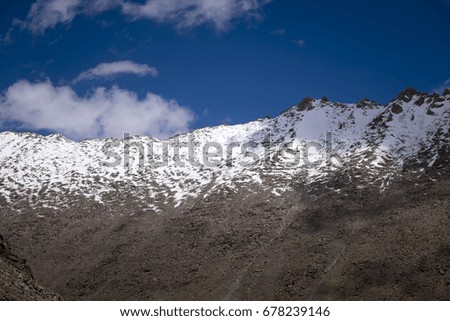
(6, 38)
(442, 87)
(227, 120)
(107, 70)
(104, 113)
(278, 32)
(301, 43)
(192, 13)
(45, 14)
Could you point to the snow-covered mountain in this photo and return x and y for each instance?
(308, 143)
(326, 201)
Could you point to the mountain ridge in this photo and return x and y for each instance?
(407, 91)
(396, 132)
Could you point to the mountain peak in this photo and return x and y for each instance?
(305, 104)
(407, 94)
(57, 137)
(366, 103)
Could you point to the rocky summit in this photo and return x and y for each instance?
(327, 201)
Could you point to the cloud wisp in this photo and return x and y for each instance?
(278, 32)
(111, 69)
(46, 14)
(301, 43)
(192, 13)
(103, 113)
(442, 87)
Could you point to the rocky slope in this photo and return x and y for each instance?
(325, 201)
(16, 279)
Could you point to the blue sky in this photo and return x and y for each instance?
(98, 68)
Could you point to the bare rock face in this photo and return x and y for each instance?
(407, 94)
(396, 109)
(305, 104)
(16, 279)
(363, 103)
